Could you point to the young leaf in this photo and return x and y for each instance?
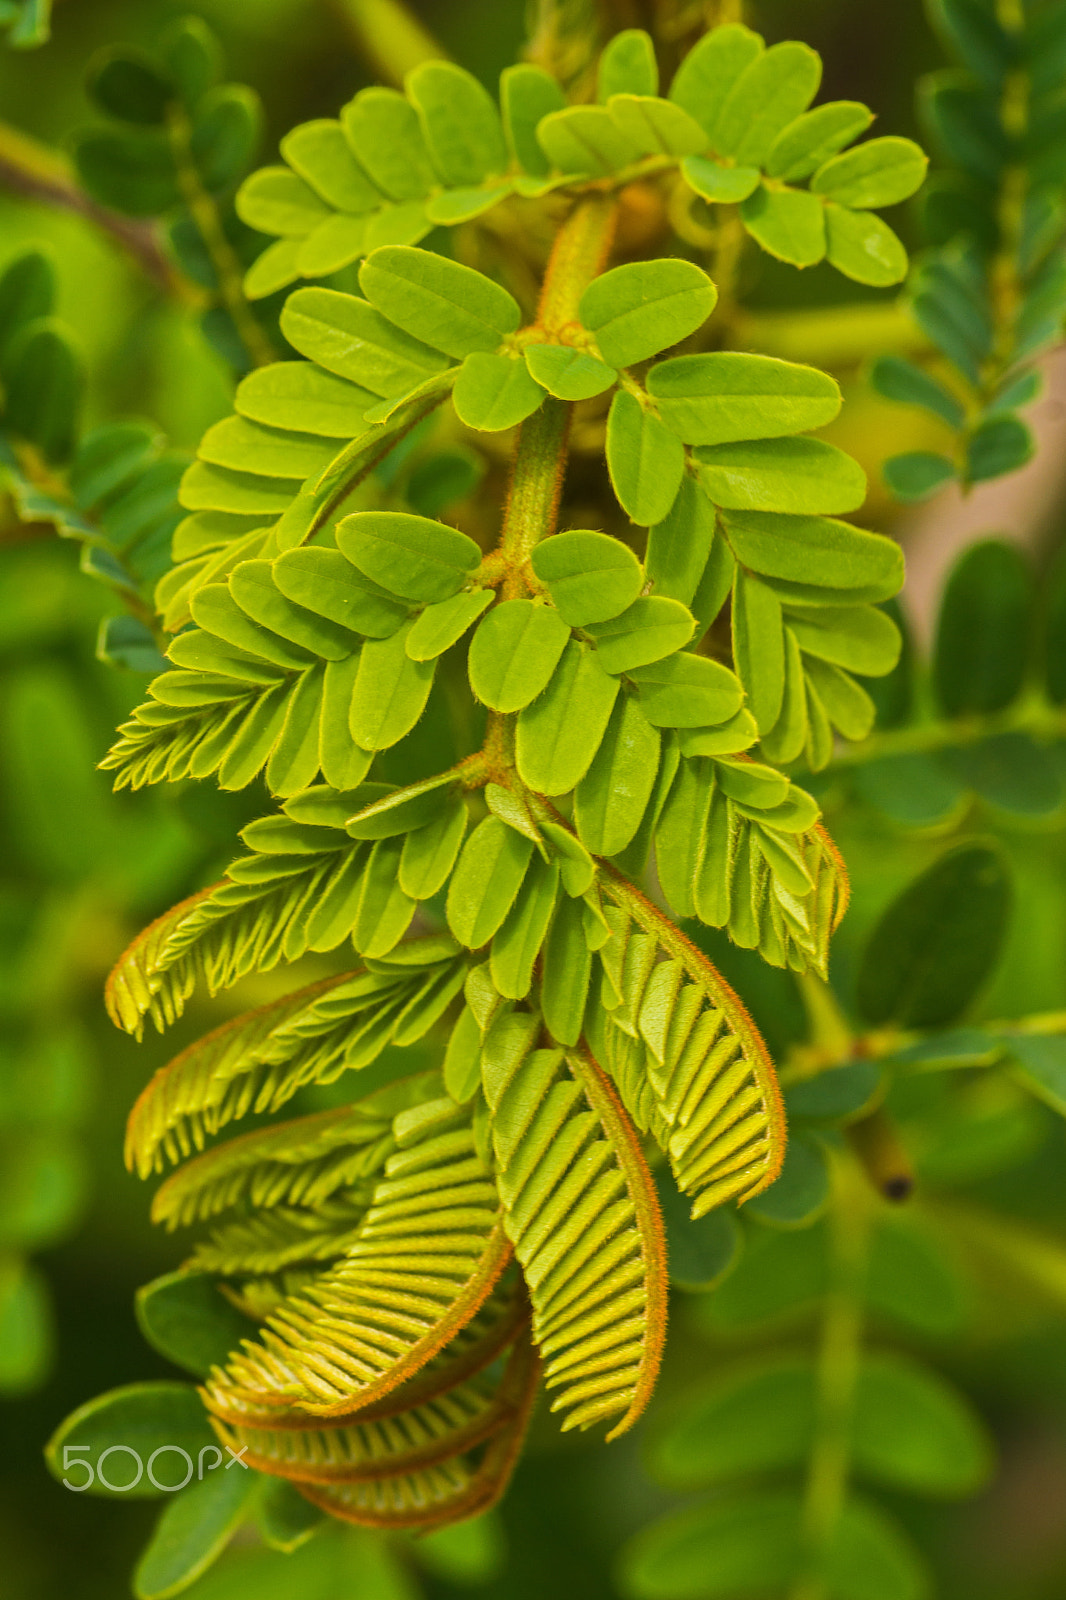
(788, 223)
(709, 71)
(800, 476)
(590, 576)
(493, 392)
(728, 396)
(638, 309)
(881, 172)
(487, 877)
(652, 627)
(645, 460)
(687, 691)
(811, 139)
(612, 797)
(863, 247)
(559, 734)
(627, 66)
(460, 121)
(514, 653)
(440, 302)
(774, 89)
(568, 373)
(527, 94)
(410, 556)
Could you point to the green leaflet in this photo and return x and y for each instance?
(678, 547)
(559, 734)
(812, 138)
(801, 476)
(899, 379)
(759, 647)
(585, 139)
(577, 869)
(268, 452)
(715, 584)
(710, 70)
(384, 912)
(679, 834)
(347, 336)
(567, 373)
(881, 172)
(208, 488)
(275, 200)
(861, 638)
(322, 156)
(784, 742)
(657, 127)
(390, 692)
(816, 551)
(687, 691)
(652, 627)
(847, 705)
(718, 183)
(527, 94)
(514, 653)
(627, 66)
(590, 576)
(486, 879)
(215, 609)
(293, 763)
(383, 129)
(493, 392)
(325, 582)
(638, 309)
(411, 556)
(440, 625)
(430, 853)
(863, 247)
(518, 942)
(445, 305)
(777, 86)
(567, 969)
(343, 763)
(646, 461)
(401, 811)
(252, 586)
(788, 223)
(460, 121)
(739, 733)
(301, 396)
(612, 797)
(728, 396)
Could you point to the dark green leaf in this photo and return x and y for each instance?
(899, 379)
(193, 1532)
(918, 474)
(134, 1422)
(701, 1253)
(801, 1192)
(186, 1319)
(997, 446)
(44, 378)
(127, 84)
(839, 1094)
(938, 942)
(984, 630)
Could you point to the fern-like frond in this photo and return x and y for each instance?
(453, 1488)
(689, 1062)
(139, 985)
(428, 1251)
(283, 1238)
(300, 1163)
(582, 1215)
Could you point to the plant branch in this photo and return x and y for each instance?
(1034, 717)
(30, 168)
(205, 214)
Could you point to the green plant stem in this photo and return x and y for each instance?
(388, 37)
(1034, 717)
(837, 1378)
(32, 169)
(204, 213)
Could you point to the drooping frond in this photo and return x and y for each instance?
(303, 1163)
(581, 1211)
(257, 1061)
(455, 1486)
(283, 1238)
(689, 1063)
(139, 985)
(427, 1253)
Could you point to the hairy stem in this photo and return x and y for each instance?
(30, 168)
(837, 1379)
(388, 37)
(204, 212)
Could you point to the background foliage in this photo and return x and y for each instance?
(936, 1324)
